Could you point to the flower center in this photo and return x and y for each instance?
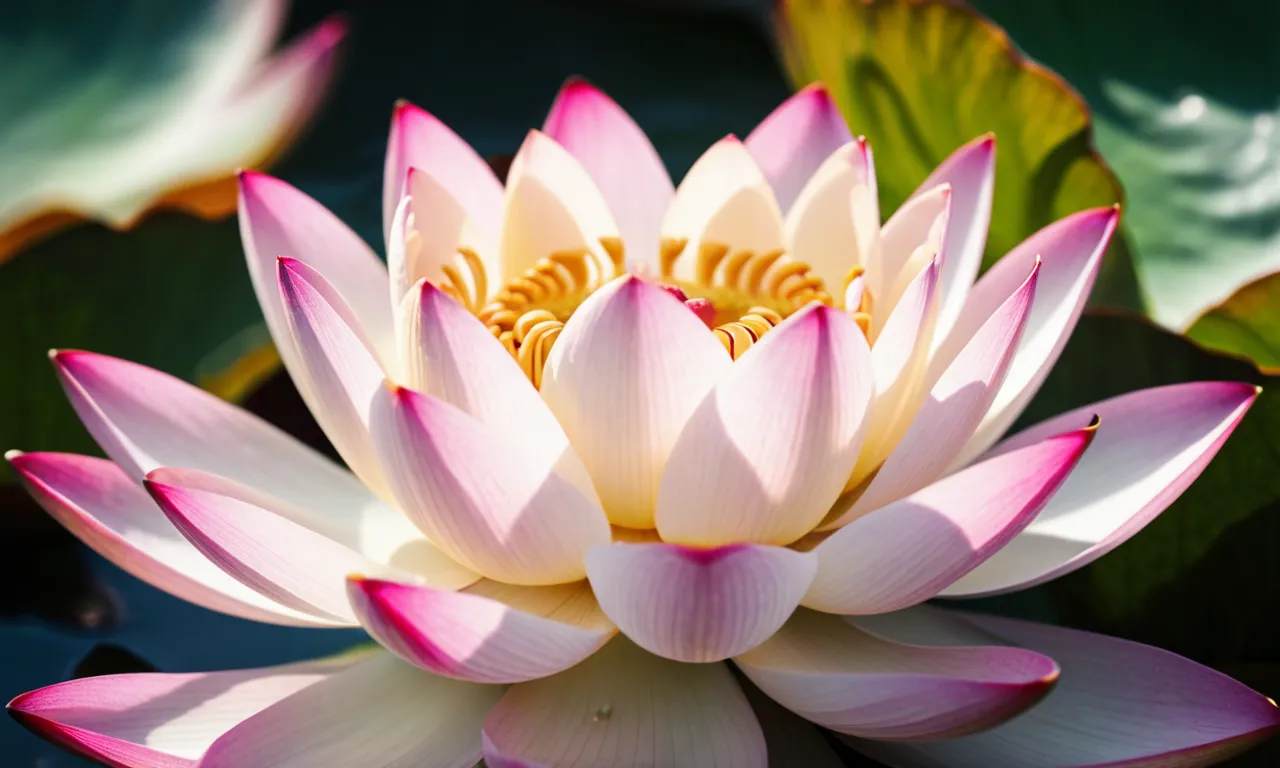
(740, 294)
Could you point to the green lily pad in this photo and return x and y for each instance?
(1186, 110)
(920, 78)
(111, 109)
(1198, 580)
(1246, 324)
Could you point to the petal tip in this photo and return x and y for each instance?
(13, 455)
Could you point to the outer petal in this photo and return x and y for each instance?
(795, 138)
(724, 199)
(791, 739)
(621, 160)
(770, 448)
(159, 720)
(109, 511)
(262, 544)
(623, 378)
(146, 419)
(494, 503)
(278, 220)
(698, 605)
(838, 676)
(626, 707)
(908, 551)
(339, 363)
(971, 173)
(419, 140)
(1118, 703)
(1070, 251)
(1153, 444)
(835, 222)
(379, 713)
(552, 205)
(489, 633)
(958, 397)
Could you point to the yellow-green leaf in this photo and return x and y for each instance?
(1246, 324)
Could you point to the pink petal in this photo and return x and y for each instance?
(795, 138)
(278, 220)
(146, 419)
(261, 544)
(621, 160)
(380, 712)
(552, 205)
(698, 605)
(623, 378)
(109, 512)
(960, 393)
(490, 633)
(428, 228)
(1152, 445)
(448, 353)
(908, 551)
(834, 674)
(970, 171)
(419, 140)
(834, 224)
(768, 450)
(491, 501)
(724, 199)
(1118, 703)
(791, 739)
(1071, 252)
(341, 369)
(626, 707)
(159, 720)
(917, 233)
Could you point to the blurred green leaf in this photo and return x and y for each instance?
(1246, 324)
(1185, 109)
(921, 77)
(166, 294)
(1199, 580)
(112, 108)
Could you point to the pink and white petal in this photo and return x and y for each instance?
(338, 362)
(107, 510)
(1071, 251)
(448, 353)
(624, 706)
(146, 419)
(698, 605)
(155, 720)
(1153, 444)
(278, 220)
(791, 740)
(724, 199)
(260, 544)
(552, 205)
(959, 396)
(899, 356)
(769, 449)
(791, 143)
(1118, 703)
(831, 673)
(419, 140)
(907, 552)
(970, 171)
(428, 228)
(834, 225)
(627, 371)
(621, 160)
(492, 501)
(381, 712)
(487, 633)
(917, 233)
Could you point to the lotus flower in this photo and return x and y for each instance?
(625, 456)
